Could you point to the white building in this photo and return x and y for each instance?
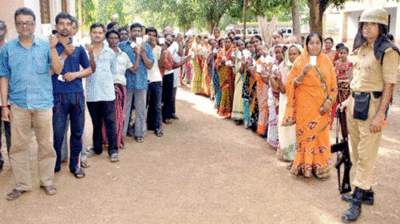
(45, 12)
(342, 24)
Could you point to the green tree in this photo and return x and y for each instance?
(106, 9)
(213, 10)
(187, 14)
(317, 9)
(88, 13)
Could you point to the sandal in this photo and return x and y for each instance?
(85, 164)
(114, 157)
(140, 139)
(167, 121)
(50, 190)
(14, 194)
(79, 173)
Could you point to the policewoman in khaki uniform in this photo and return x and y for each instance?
(374, 77)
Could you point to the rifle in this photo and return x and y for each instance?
(343, 154)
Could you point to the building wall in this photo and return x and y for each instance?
(353, 17)
(8, 8)
(7, 11)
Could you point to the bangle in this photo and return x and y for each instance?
(296, 81)
(2, 106)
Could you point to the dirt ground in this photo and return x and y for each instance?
(204, 170)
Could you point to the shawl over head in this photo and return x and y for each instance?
(381, 43)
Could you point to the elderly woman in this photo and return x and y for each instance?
(287, 135)
(311, 89)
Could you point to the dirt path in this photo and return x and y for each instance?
(204, 170)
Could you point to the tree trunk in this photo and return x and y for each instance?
(317, 9)
(296, 18)
(244, 19)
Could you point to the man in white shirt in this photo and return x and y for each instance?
(155, 85)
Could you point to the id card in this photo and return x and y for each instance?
(139, 40)
(60, 78)
(258, 68)
(313, 60)
(161, 41)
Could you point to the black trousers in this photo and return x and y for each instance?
(167, 96)
(103, 111)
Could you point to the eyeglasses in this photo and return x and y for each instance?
(28, 24)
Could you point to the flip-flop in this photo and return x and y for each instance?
(79, 173)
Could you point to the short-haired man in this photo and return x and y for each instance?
(69, 98)
(7, 131)
(113, 26)
(123, 34)
(26, 82)
(155, 84)
(122, 63)
(100, 94)
(137, 84)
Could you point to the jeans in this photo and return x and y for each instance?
(103, 111)
(167, 95)
(64, 146)
(140, 108)
(7, 133)
(72, 104)
(154, 112)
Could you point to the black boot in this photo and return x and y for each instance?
(352, 214)
(368, 197)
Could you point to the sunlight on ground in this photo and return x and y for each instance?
(324, 217)
(198, 102)
(388, 152)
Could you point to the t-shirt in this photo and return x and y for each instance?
(154, 75)
(71, 64)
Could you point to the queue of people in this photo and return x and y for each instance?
(287, 93)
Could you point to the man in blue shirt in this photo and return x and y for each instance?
(68, 94)
(100, 93)
(26, 82)
(137, 84)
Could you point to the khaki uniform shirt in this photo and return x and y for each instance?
(369, 74)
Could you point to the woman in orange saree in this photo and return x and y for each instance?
(311, 89)
(224, 65)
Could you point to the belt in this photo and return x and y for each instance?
(376, 94)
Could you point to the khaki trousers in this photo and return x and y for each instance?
(363, 143)
(22, 122)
